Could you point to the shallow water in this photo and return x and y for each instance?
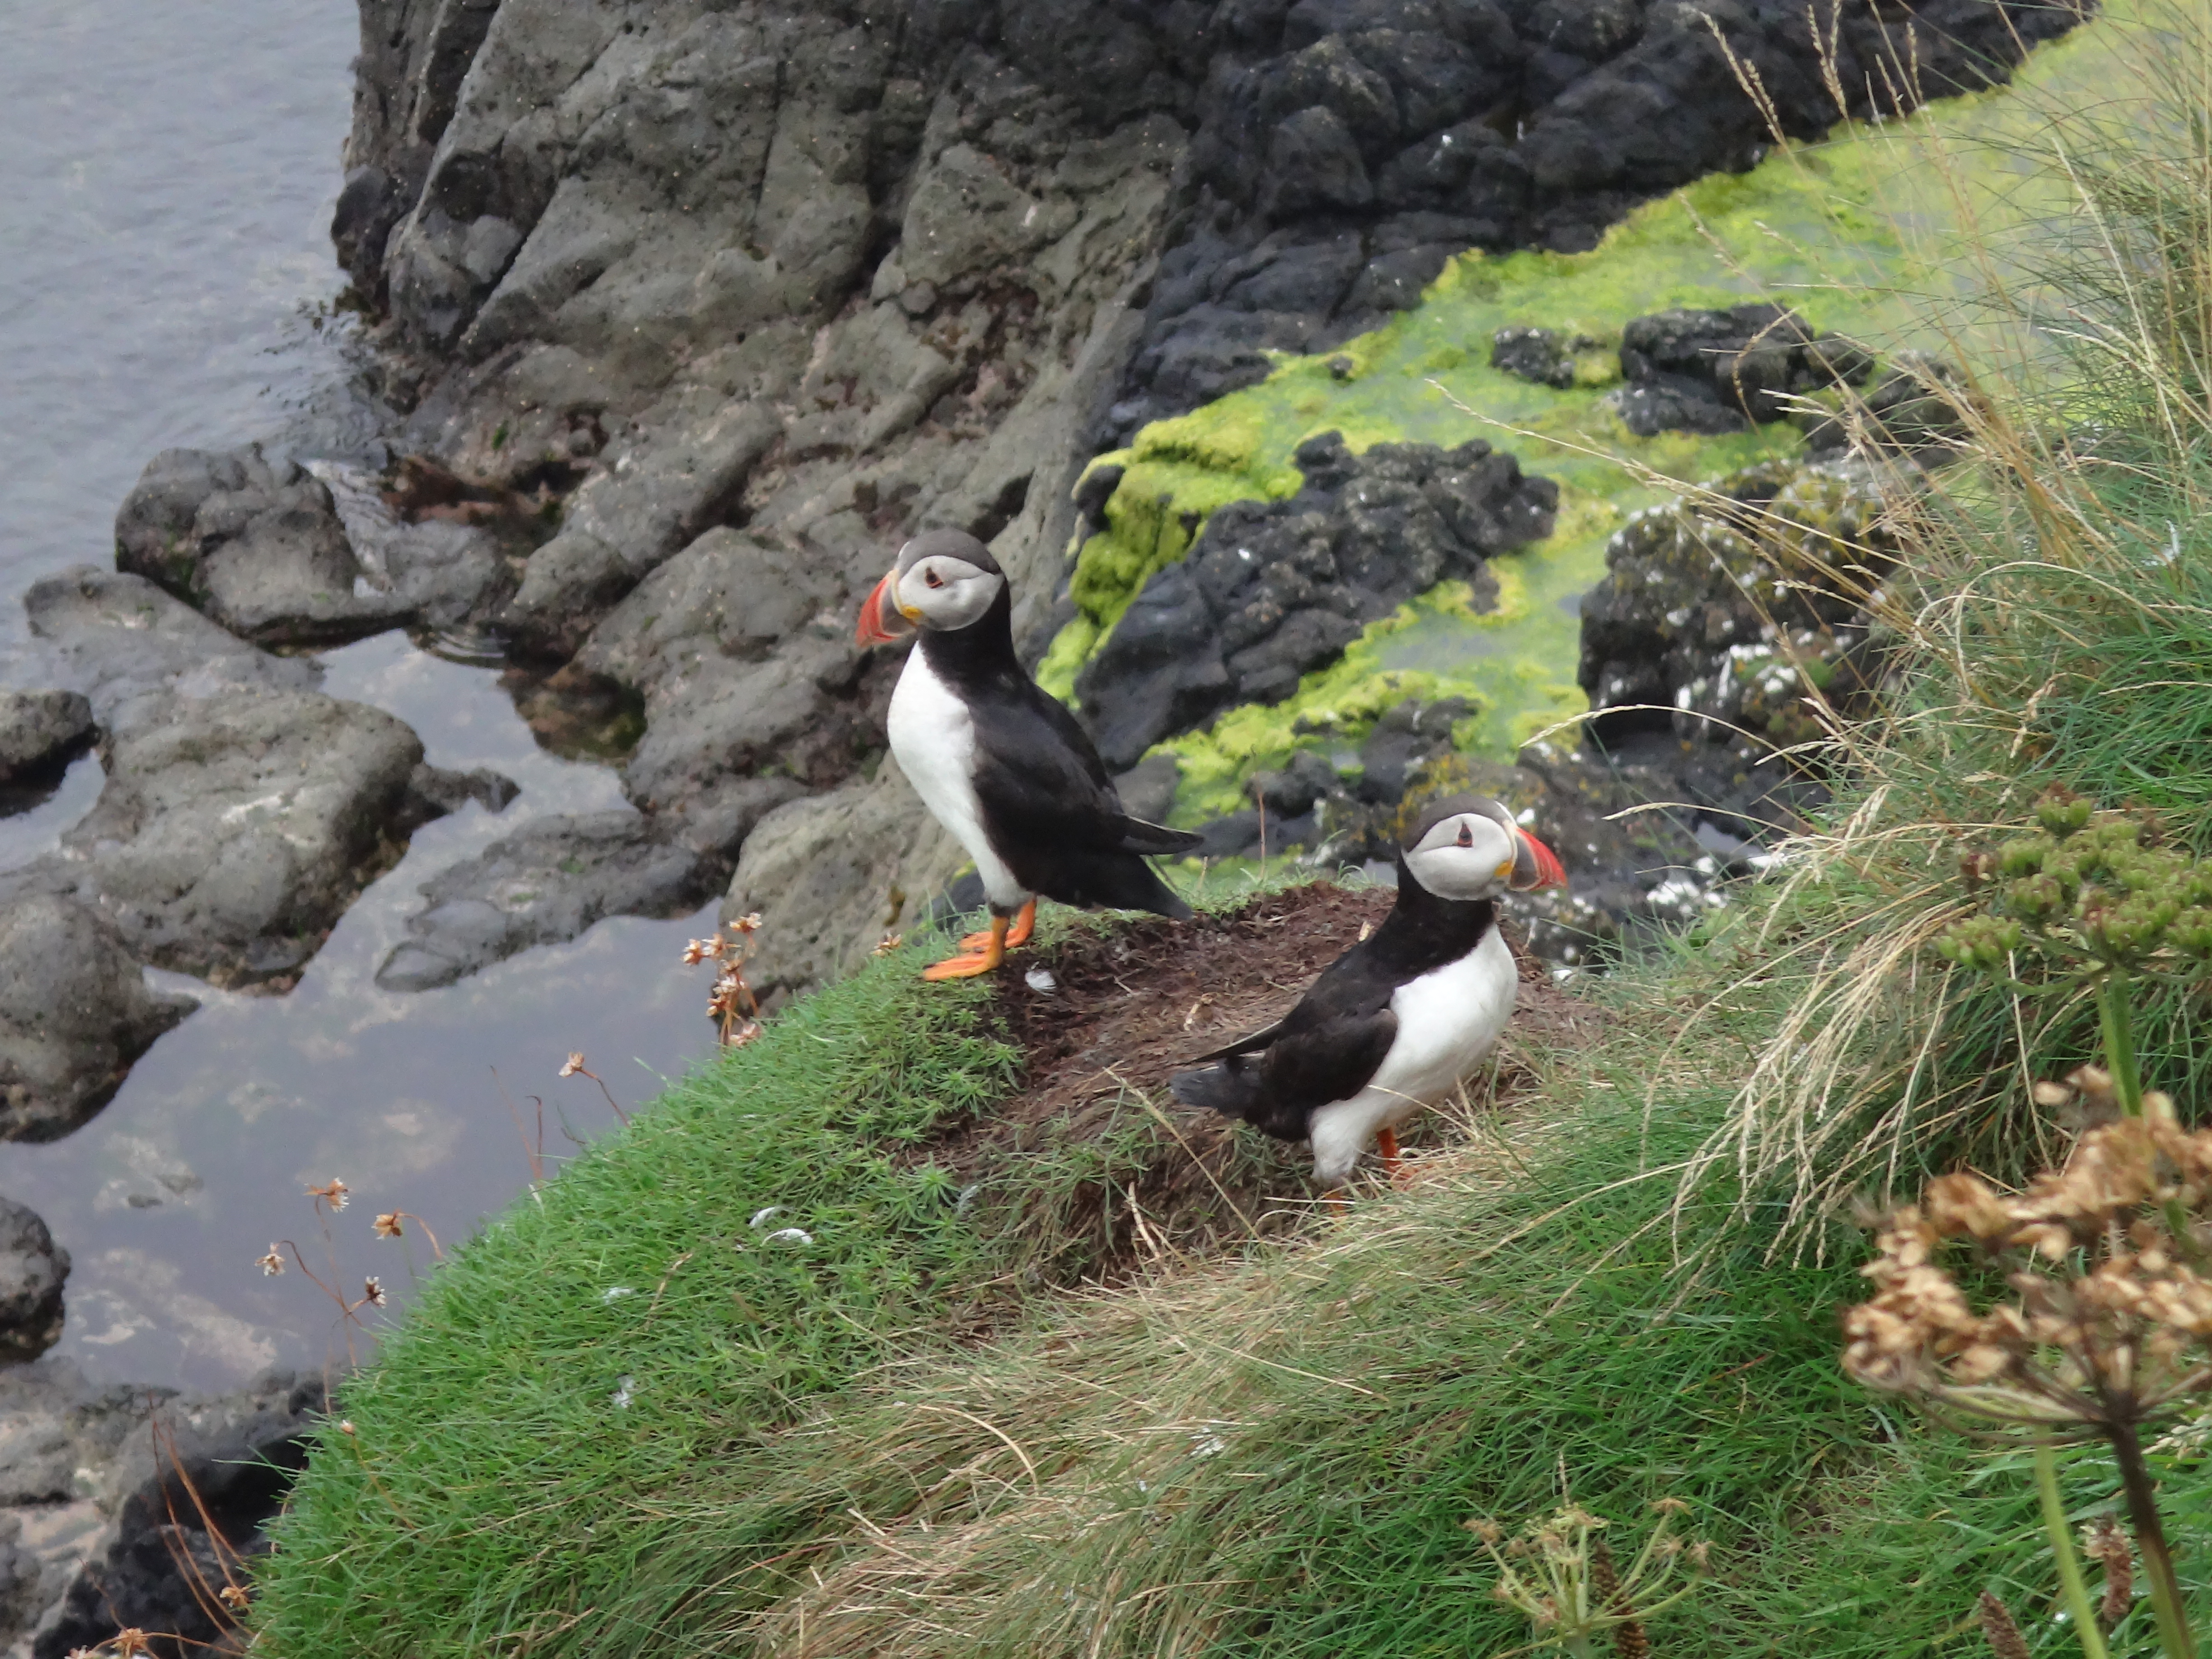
(165, 279)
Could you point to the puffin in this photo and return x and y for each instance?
(1003, 766)
(1402, 1017)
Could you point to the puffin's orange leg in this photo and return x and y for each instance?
(1393, 1167)
(967, 965)
(1335, 1202)
(1024, 924)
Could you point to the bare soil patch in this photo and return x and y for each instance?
(1129, 1004)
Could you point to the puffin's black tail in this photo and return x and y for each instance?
(1231, 1088)
(1120, 880)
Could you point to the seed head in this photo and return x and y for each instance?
(387, 1224)
(2004, 1637)
(233, 1596)
(273, 1263)
(332, 1193)
(573, 1065)
(372, 1292)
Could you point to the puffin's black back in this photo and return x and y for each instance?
(1049, 805)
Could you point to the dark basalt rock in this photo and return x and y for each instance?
(197, 1497)
(1714, 613)
(1913, 408)
(1542, 355)
(32, 1269)
(1718, 371)
(1273, 589)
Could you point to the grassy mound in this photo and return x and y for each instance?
(1017, 1387)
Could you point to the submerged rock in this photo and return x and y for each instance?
(75, 1013)
(32, 1270)
(1273, 589)
(170, 1495)
(542, 885)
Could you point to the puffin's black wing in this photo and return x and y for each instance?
(1042, 783)
(1326, 1049)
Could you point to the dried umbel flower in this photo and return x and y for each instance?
(271, 1264)
(372, 1292)
(573, 1065)
(731, 1005)
(387, 1224)
(2110, 1328)
(1560, 1575)
(233, 1596)
(333, 1192)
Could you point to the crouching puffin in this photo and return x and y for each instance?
(1004, 766)
(1397, 1020)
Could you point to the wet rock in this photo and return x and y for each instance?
(176, 1508)
(1547, 357)
(1291, 792)
(742, 651)
(39, 730)
(1148, 789)
(75, 1013)
(257, 546)
(439, 791)
(1719, 615)
(664, 482)
(440, 569)
(830, 875)
(1915, 408)
(1718, 371)
(544, 884)
(1403, 740)
(132, 648)
(1274, 589)
(32, 1269)
(232, 833)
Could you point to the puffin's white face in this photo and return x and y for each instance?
(946, 593)
(1468, 856)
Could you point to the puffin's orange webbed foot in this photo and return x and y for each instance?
(968, 964)
(1024, 924)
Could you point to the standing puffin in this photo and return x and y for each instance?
(1004, 766)
(1397, 1020)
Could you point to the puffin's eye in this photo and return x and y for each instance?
(929, 574)
(1466, 836)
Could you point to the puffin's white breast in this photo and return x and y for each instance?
(932, 732)
(1448, 1020)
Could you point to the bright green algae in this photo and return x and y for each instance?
(1857, 233)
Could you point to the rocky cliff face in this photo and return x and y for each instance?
(735, 297)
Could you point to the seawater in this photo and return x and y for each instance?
(165, 279)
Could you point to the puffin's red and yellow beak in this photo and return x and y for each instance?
(880, 620)
(1550, 872)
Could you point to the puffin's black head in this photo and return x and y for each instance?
(945, 580)
(1467, 847)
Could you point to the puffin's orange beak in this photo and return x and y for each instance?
(1549, 871)
(880, 621)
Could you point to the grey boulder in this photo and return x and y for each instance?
(39, 730)
(32, 1269)
(257, 546)
(232, 833)
(131, 648)
(75, 1012)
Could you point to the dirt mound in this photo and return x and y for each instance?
(1127, 1005)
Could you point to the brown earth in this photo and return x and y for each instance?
(1127, 1005)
